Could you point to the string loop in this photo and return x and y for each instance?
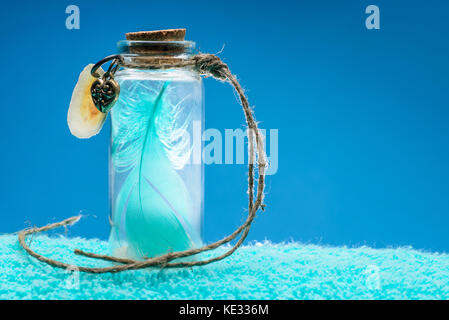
(207, 65)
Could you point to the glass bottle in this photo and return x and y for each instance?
(156, 172)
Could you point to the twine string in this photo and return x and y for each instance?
(206, 65)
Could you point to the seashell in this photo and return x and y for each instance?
(83, 118)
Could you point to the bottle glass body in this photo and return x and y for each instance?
(156, 172)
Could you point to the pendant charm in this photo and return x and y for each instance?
(105, 90)
(93, 97)
(83, 117)
(105, 93)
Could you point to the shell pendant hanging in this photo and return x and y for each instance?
(83, 117)
(93, 97)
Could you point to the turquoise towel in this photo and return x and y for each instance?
(256, 271)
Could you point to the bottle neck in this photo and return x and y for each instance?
(138, 53)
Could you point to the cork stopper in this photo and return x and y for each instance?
(157, 35)
(161, 45)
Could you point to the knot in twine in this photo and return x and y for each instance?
(208, 65)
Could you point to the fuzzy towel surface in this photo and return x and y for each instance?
(258, 271)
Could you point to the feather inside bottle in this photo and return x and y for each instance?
(153, 207)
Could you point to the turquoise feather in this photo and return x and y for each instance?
(153, 206)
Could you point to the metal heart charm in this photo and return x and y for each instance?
(104, 94)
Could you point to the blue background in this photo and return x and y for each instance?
(363, 115)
